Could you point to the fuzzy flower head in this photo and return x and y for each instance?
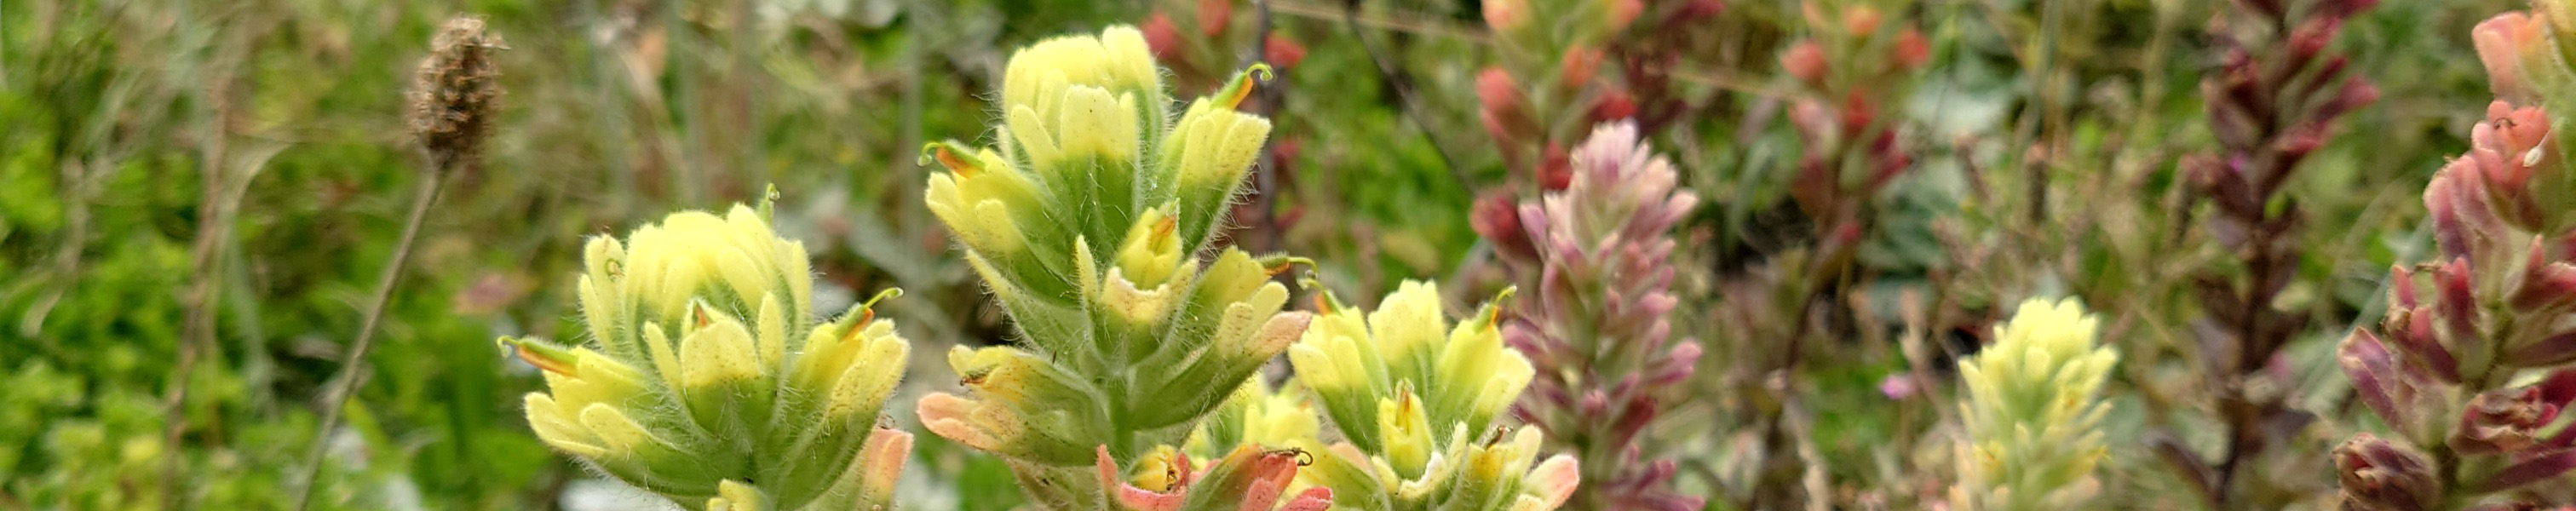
(706, 369)
(1092, 223)
(1417, 399)
(1621, 190)
(2033, 411)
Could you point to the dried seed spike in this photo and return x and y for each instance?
(456, 91)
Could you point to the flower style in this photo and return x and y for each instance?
(693, 387)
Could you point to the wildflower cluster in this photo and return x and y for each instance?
(706, 379)
(1599, 255)
(2274, 96)
(1418, 402)
(1091, 224)
(2468, 373)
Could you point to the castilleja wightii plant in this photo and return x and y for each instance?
(2033, 413)
(1092, 224)
(2468, 367)
(1599, 255)
(1420, 405)
(706, 379)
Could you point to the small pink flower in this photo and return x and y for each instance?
(1899, 386)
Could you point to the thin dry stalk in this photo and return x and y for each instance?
(452, 108)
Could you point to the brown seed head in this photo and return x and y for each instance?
(456, 90)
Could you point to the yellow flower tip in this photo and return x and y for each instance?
(1401, 421)
(1408, 320)
(1151, 251)
(976, 367)
(1159, 470)
(867, 380)
(1313, 365)
(557, 430)
(733, 495)
(719, 351)
(1133, 303)
(618, 433)
(1131, 58)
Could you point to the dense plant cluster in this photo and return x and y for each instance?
(1238, 255)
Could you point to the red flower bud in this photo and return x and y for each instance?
(1911, 51)
(1160, 35)
(1506, 15)
(2380, 475)
(1556, 173)
(1806, 62)
(1282, 52)
(1215, 16)
(1862, 20)
(1578, 66)
(1614, 105)
(1621, 13)
(2502, 421)
(1497, 217)
(1505, 112)
(2502, 41)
